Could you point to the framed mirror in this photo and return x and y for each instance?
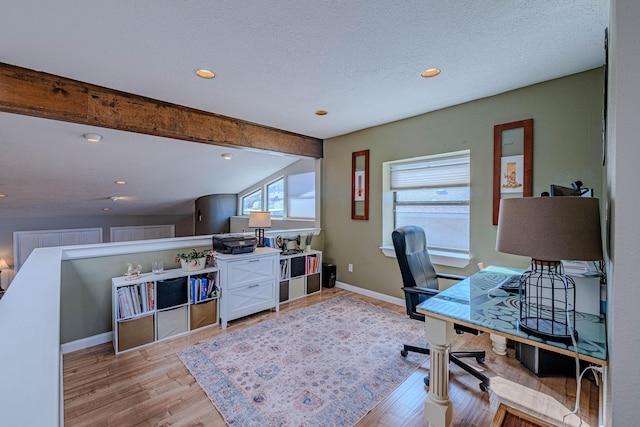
(512, 162)
(360, 185)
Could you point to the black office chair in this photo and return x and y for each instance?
(420, 282)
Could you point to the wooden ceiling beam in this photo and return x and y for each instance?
(32, 93)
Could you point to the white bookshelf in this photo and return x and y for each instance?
(155, 307)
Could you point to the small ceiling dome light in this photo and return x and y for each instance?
(205, 74)
(114, 198)
(106, 209)
(121, 182)
(431, 72)
(3, 195)
(321, 113)
(92, 137)
(226, 156)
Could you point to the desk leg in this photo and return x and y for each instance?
(499, 344)
(438, 409)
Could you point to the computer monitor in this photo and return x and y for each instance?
(558, 190)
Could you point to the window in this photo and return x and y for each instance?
(289, 196)
(275, 198)
(252, 202)
(434, 193)
(301, 189)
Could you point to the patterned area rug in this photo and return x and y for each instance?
(325, 365)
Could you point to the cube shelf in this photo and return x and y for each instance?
(155, 307)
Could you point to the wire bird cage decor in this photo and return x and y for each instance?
(547, 302)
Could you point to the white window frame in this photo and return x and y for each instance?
(249, 194)
(458, 259)
(284, 196)
(264, 187)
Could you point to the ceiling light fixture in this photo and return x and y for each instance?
(114, 198)
(226, 156)
(121, 182)
(204, 73)
(3, 195)
(321, 113)
(431, 72)
(106, 209)
(92, 137)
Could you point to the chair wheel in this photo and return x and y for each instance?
(404, 353)
(484, 387)
(480, 359)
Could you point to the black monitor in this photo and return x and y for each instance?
(558, 190)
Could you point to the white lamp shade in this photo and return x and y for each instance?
(3, 264)
(260, 219)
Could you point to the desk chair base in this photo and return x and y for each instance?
(455, 357)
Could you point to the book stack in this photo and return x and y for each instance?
(284, 268)
(312, 265)
(203, 288)
(135, 299)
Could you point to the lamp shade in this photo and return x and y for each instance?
(260, 219)
(550, 228)
(3, 264)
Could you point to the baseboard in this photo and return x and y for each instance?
(83, 343)
(372, 294)
(108, 336)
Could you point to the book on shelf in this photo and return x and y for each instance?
(135, 299)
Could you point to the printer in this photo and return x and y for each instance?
(237, 243)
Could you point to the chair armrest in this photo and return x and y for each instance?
(420, 291)
(450, 276)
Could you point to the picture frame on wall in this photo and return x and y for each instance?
(360, 185)
(512, 162)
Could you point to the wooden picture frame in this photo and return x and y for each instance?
(512, 162)
(360, 185)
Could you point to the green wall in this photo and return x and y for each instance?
(85, 307)
(567, 147)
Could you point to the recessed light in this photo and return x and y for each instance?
(121, 182)
(106, 209)
(204, 73)
(226, 156)
(431, 72)
(321, 113)
(3, 195)
(92, 137)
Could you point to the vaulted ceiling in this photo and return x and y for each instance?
(276, 64)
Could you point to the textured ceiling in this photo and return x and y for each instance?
(276, 63)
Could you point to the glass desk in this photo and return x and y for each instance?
(467, 303)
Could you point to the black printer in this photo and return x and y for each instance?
(234, 243)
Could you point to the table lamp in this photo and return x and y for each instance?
(549, 229)
(3, 266)
(260, 220)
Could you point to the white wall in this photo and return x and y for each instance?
(622, 179)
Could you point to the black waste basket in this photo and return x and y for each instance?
(328, 275)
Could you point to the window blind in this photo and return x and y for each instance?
(431, 173)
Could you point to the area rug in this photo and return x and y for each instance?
(324, 365)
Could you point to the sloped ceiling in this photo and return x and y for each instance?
(276, 63)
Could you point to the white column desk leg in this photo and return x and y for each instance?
(438, 409)
(499, 344)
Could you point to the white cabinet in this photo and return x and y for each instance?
(300, 275)
(160, 306)
(248, 283)
(24, 242)
(145, 232)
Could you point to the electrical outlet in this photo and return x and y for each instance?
(350, 268)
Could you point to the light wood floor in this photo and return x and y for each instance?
(151, 386)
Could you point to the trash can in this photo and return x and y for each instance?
(328, 275)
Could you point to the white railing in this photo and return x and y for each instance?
(31, 388)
